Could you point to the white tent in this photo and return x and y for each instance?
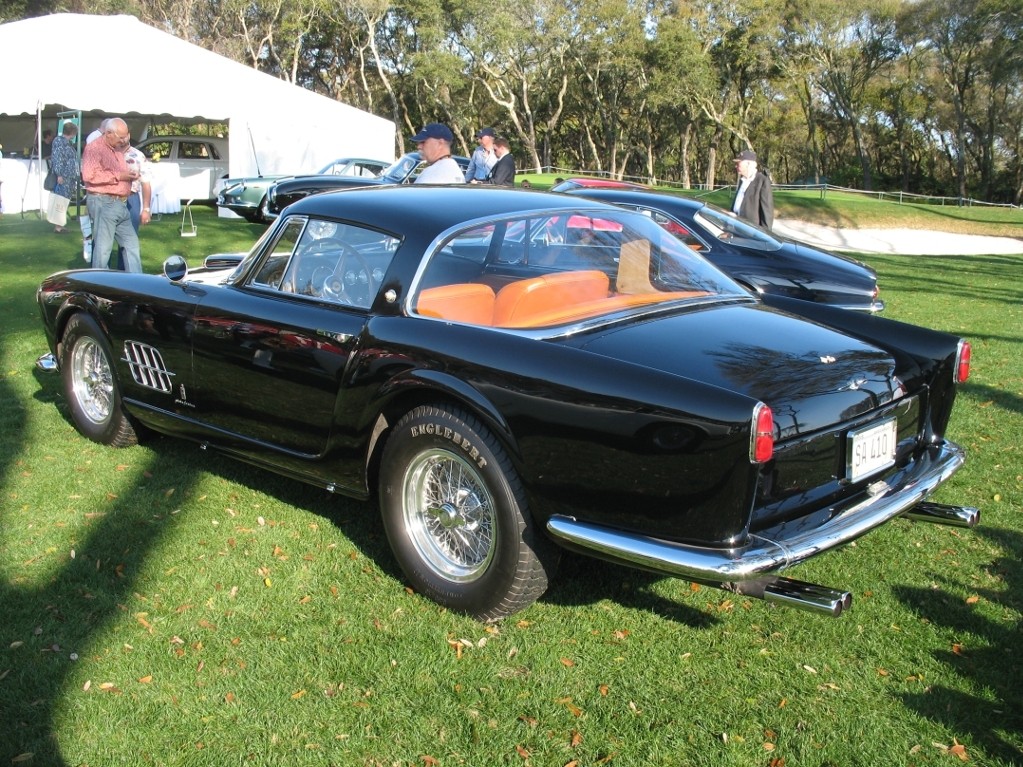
(46, 66)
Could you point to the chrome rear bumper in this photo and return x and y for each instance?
(762, 555)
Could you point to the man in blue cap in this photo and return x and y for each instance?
(483, 159)
(434, 144)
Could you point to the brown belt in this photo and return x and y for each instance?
(122, 198)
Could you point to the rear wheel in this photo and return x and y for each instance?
(456, 516)
(91, 386)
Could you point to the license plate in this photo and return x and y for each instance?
(870, 450)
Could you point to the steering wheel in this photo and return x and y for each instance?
(349, 281)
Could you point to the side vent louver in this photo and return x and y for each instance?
(147, 366)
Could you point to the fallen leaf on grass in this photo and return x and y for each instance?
(957, 749)
(523, 751)
(298, 694)
(972, 600)
(146, 679)
(573, 709)
(567, 662)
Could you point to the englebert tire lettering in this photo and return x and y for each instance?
(448, 433)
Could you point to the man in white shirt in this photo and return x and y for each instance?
(434, 144)
(483, 159)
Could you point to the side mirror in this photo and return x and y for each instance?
(175, 268)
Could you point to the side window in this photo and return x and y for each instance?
(674, 227)
(157, 150)
(193, 150)
(271, 272)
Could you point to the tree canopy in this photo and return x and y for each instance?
(916, 95)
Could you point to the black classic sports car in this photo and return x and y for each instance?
(757, 259)
(404, 170)
(512, 373)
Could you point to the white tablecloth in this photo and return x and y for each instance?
(21, 184)
(164, 178)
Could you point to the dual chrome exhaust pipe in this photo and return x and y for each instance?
(792, 593)
(749, 571)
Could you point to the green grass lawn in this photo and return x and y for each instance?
(166, 606)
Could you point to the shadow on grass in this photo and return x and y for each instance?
(992, 664)
(582, 580)
(46, 625)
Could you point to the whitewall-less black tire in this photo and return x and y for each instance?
(456, 516)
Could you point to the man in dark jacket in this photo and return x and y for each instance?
(503, 172)
(754, 200)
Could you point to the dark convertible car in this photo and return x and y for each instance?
(758, 259)
(286, 191)
(503, 390)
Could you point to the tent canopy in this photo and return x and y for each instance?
(274, 126)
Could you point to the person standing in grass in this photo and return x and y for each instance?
(108, 184)
(64, 163)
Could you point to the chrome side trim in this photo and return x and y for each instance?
(874, 307)
(761, 555)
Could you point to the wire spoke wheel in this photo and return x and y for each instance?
(92, 381)
(449, 514)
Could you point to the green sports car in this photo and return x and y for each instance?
(247, 196)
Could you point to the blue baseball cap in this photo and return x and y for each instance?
(486, 132)
(434, 130)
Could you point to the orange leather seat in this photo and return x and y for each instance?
(462, 302)
(518, 301)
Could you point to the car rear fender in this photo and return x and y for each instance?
(553, 407)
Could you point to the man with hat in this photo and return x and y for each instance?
(434, 144)
(754, 200)
(483, 159)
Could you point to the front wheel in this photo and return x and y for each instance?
(456, 516)
(90, 384)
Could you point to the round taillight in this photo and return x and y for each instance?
(963, 361)
(762, 444)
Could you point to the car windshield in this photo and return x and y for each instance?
(350, 168)
(723, 226)
(547, 269)
(401, 168)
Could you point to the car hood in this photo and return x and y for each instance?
(252, 180)
(807, 373)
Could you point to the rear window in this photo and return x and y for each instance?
(544, 270)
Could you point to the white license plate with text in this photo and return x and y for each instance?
(870, 450)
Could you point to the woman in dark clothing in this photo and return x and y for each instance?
(64, 162)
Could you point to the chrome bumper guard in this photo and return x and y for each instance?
(896, 496)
